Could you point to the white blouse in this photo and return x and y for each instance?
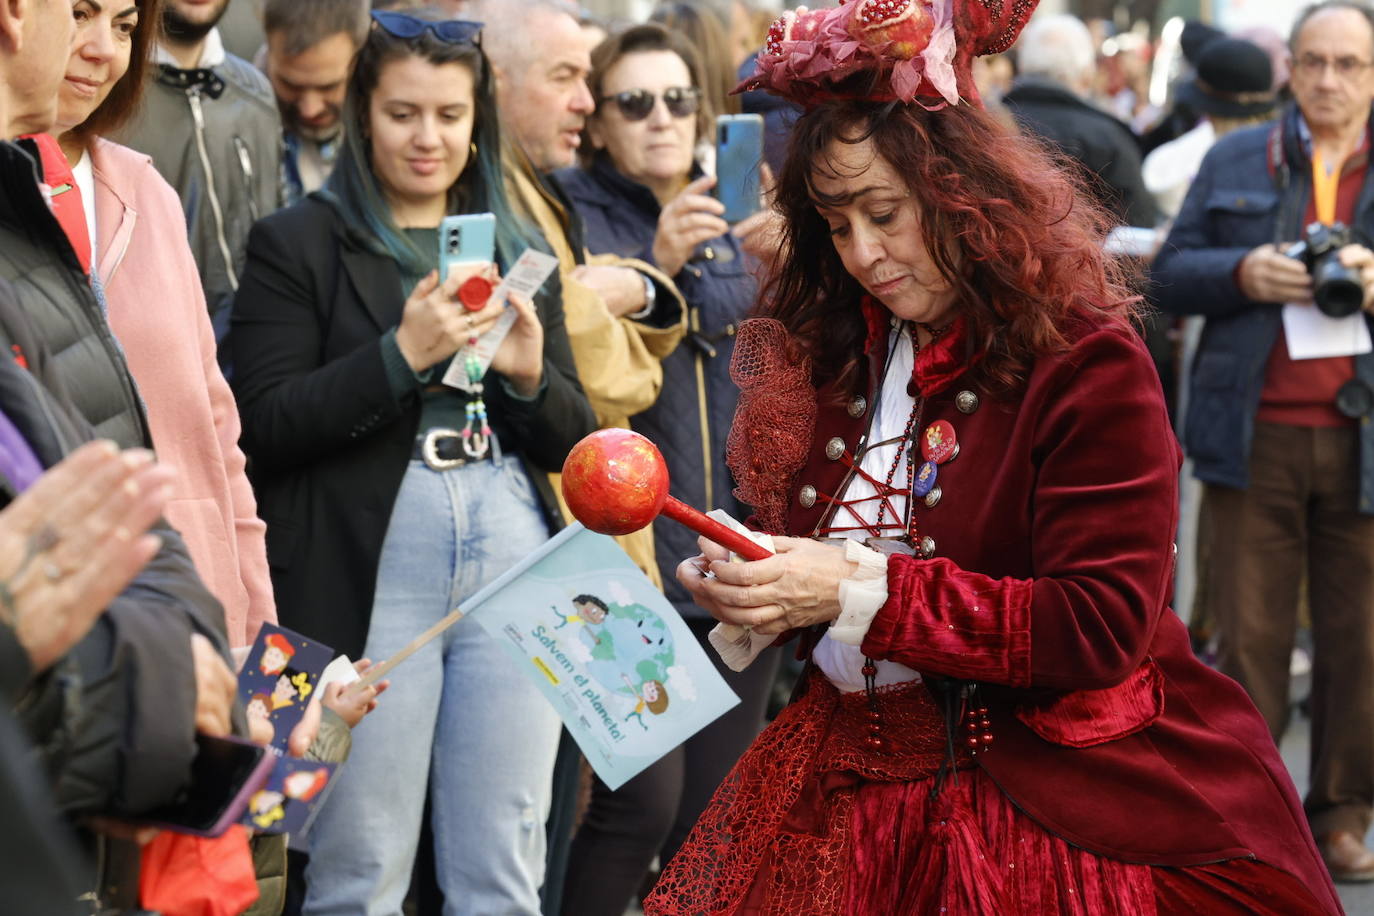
(838, 654)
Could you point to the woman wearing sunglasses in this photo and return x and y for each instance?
(390, 497)
(642, 195)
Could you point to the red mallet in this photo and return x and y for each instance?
(615, 482)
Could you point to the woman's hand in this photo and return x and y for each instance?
(685, 222)
(71, 542)
(520, 357)
(796, 587)
(434, 324)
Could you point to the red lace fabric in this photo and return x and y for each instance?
(777, 832)
(774, 421)
(811, 822)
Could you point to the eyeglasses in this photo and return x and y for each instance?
(1312, 65)
(636, 104)
(453, 31)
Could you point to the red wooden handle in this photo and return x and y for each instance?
(684, 514)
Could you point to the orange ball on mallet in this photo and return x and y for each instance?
(616, 481)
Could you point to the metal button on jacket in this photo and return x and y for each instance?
(858, 406)
(927, 547)
(807, 496)
(834, 448)
(933, 498)
(966, 401)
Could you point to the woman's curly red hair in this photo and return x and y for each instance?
(1013, 232)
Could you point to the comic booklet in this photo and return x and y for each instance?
(279, 679)
(287, 803)
(609, 651)
(277, 682)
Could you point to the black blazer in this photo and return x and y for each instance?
(327, 441)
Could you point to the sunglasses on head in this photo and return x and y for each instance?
(453, 31)
(636, 104)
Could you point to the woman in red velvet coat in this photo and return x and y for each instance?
(1001, 714)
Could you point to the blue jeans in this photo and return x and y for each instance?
(458, 717)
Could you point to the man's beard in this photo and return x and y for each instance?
(182, 31)
(308, 132)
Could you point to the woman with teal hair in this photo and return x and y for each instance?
(382, 514)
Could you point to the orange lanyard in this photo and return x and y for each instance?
(1324, 187)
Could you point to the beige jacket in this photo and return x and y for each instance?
(617, 359)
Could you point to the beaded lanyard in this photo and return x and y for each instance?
(476, 431)
(474, 294)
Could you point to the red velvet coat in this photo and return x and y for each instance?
(1050, 586)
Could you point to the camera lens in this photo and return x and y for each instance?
(1335, 287)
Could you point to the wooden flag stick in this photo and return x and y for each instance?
(379, 671)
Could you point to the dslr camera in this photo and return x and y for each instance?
(1336, 289)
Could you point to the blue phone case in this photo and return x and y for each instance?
(739, 152)
(466, 239)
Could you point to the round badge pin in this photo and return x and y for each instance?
(939, 443)
(475, 293)
(924, 481)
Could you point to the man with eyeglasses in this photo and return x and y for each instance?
(623, 315)
(1281, 432)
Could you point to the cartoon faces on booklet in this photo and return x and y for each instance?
(304, 785)
(276, 654)
(291, 686)
(259, 710)
(286, 803)
(278, 680)
(266, 808)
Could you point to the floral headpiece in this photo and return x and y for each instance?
(917, 51)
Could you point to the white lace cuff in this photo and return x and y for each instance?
(861, 595)
(738, 646)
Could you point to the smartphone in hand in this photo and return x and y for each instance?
(224, 775)
(739, 154)
(469, 238)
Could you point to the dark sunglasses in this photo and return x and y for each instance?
(636, 104)
(453, 31)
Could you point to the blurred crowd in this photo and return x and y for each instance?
(226, 399)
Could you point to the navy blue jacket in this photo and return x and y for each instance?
(1253, 188)
(691, 419)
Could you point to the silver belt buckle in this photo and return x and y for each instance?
(429, 449)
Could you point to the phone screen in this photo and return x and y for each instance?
(220, 773)
(739, 153)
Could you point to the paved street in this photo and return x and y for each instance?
(1358, 898)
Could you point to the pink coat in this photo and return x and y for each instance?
(157, 311)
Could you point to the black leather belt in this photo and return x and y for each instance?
(442, 449)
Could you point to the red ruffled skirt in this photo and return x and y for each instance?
(813, 822)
